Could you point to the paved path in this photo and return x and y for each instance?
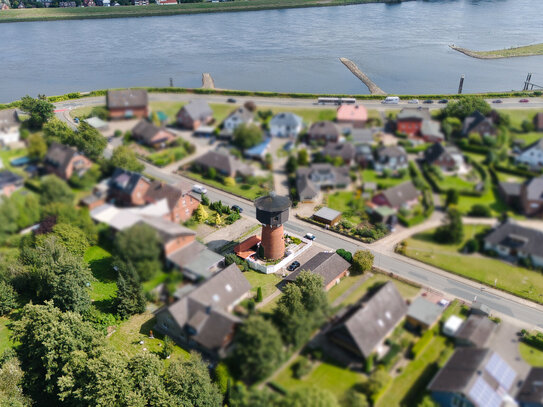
(269, 299)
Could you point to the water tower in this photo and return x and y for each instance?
(272, 212)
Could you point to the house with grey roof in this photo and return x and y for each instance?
(127, 188)
(477, 377)
(9, 126)
(327, 216)
(224, 164)
(240, 116)
(310, 180)
(448, 158)
(127, 103)
(286, 124)
(478, 123)
(194, 114)
(392, 158)
(65, 161)
(531, 197)
(147, 133)
(404, 195)
(323, 131)
(202, 318)
(344, 150)
(196, 261)
(329, 265)
(513, 242)
(532, 156)
(364, 327)
(423, 314)
(531, 392)
(430, 132)
(475, 331)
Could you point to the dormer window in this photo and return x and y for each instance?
(228, 288)
(216, 298)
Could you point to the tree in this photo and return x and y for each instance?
(99, 111)
(309, 396)
(146, 374)
(362, 261)
(291, 317)
(527, 126)
(355, 399)
(72, 238)
(204, 199)
(8, 298)
(168, 347)
(140, 246)
(303, 158)
(451, 126)
(89, 140)
(258, 349)
(259, 294)
(240, 396)
(247, 135)
(58, 131)
(37, 148)
(124, 157)
(211, 173)
(452, 197)
(53, 189)
(11, 377)
(377, 380)
(201, 214)
(130, 298)
(452, 231)
(465, 106)
(337, 161)
(229, 181)
(314, 298)
(292, 164)
(345, 254)
(189, 384)
(480, 210)
(40, 110)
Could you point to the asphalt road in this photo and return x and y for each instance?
(500, 303)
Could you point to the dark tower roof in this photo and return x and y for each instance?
(272, 203)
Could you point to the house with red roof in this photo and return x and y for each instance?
(356, 115)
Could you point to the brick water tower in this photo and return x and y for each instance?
(272, 212)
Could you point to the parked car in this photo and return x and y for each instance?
(231, 100)
(237, 208)
(76, 120)
(212, 141)
(288, 146)
(443, 101)
(497, 101)
(199, 189)
(310, 236)
(428, 101)
(413, 102)
(523, 101)
(293, 266)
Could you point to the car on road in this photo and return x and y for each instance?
(231, 100)
(310, 236)
(497, 101)
(413, 102)
(237, 208)
(293, 266)
(199, 189)
(76, 120)
(428, 101)
(523, 101)
(443, 101)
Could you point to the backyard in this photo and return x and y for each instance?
(5, 335)
(105, 286)
(492, 272)
(348, 204)
(243, 189)
(382, 181)
(531, 355)
(268, 282)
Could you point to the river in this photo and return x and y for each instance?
(402, 47)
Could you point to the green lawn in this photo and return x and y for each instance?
(167, 156)
(128, 335)
(247, 191)
(82, 111)
(372, 176)
(325, 376)
(455, 182)
(309, 115)
(268, 282)
(342, 201)
(105, 286)
(346, 283)
(7, 155)
(531, 355)
(528, 138)
(155, 281)
(408, 388)
(168, 108)
(535, 49)
(5, 335)
(516, 280)
(517, 116)
(503, 176)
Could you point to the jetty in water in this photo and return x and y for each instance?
(207, 81)
(373, 88)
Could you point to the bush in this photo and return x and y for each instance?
(345, 254)
(301, 368)
(421, 344)
(259, 294)
(479, 210)
(472, 246)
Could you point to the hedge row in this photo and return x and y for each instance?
(422, 343)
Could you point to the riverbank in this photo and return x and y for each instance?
(526, 51)
(83, 13)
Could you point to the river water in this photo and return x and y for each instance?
(402, 47)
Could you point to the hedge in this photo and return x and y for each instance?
(422, 343)
(515, 171)
(534, 340)
(390, 358)
(278, 388)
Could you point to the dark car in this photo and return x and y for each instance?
(237, 208)
(443, 101)
(231, 100)
(523, 101)
(293, 266)
(428, 101)
(497, 101)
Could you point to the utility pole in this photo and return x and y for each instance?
(461, 85)
(171, 82)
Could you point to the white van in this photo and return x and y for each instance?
(391, 100)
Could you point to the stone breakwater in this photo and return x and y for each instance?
(207, 81)
(372, 87)
(526, 51)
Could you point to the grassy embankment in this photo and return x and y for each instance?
(525, 51)
(77, 13)
(519, 281)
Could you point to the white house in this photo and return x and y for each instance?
(237, 117)
(286, 125)
(532, 155)
(9, 127)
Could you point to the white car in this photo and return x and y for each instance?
(199, 189)
(310, 236)
(413, 102)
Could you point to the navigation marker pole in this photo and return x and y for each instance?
(461, 85)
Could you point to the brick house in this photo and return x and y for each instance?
(9, 183)
(329, 265)
(127, 188)
(194, 115)
(531, 197)
(478, 123)
(538, 122)
(147, 133)
(409, 120)
(128, 103)
(181, 201)
(65, 161)
(323, 131)
(404, 195)
(447, 158)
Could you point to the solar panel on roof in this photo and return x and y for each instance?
(501, 371)
(483, 395)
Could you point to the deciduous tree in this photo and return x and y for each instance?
(465, 106)
(124, 157)
(72, 238)
(247, 136)
(291, 318)
(40, 110)
(37, 148)
(362, 261)
(53, 189)
(8, 298)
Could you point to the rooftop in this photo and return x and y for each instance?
(272, 203)
(327, 213)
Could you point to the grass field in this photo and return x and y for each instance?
(407, 389)
(531, 355)
(341, 201)
(372, 176)
(268, 282)
(245, 190)
(5, 335)
(454, 182)
(535, 49)
(515, 280)
(82, 111)
(346, 283)
(7, 155)
(105, 286)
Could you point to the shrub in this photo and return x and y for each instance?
(259, 294)
(345, 254)
(479, 210)
(422, 343)
(301, 367)
(472, 246)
